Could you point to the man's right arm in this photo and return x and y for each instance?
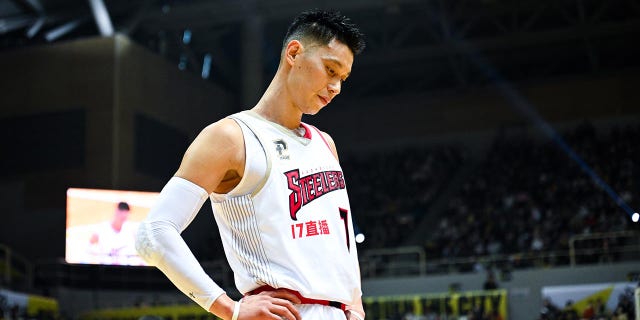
(158, 240)
(212, 163)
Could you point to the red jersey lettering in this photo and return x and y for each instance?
(308, 188)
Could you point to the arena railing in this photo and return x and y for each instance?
(374, 263)
(15, 270)
(603, 243)
(403, 260)
(411, 261)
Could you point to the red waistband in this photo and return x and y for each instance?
(303, 300)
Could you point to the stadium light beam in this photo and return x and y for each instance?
(36, 5)
(35, 28)
(10, 24)
(101, 15)
(186, 36)
(206, 66)
(528, 110)
(62, 30)
(359, 235)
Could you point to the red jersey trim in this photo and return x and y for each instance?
(303, 300)
(307, 132)
(323, 139)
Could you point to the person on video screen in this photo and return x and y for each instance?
(112, 242)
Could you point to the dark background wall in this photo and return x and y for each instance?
(370, 122)
(95, 113)
(107, 113)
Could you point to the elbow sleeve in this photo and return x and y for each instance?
(159, 243)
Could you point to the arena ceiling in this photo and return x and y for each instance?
(413, 46)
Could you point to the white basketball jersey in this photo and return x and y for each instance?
(288, 223)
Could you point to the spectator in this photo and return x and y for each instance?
(569, 312)
(549, 310)
(490, 283)
(620, 314)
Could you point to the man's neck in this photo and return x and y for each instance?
(276, 106)
(117, 227)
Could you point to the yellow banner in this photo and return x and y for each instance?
(37, 305)
(455, 304)
(165, 312)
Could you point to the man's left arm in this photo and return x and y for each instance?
(355, 311)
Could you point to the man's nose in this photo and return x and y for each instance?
(335, 86)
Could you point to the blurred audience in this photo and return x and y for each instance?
(390, 191)
(595, 309)
(530, 196)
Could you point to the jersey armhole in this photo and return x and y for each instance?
(255, 174)
(323, 139)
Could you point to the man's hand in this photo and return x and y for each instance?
(355, 311)
(354, 315)
(94, 239)
(275, 305)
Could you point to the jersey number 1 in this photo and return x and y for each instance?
(344, 215)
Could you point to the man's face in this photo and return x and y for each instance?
(317, 74)
(121, 215)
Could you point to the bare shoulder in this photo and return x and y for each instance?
(332, 144)
(215, 155)
(224, 130)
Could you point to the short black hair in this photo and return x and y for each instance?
(323, 26)
(123, 206)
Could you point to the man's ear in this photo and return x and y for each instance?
(293, 49)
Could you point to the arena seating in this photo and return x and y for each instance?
(526, 195)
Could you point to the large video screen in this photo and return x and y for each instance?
(101, 225)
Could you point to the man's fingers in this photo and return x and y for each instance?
(286, 311)
(289, 306)
(284, 294)
(276, 304)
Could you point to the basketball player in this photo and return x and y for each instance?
(277, 191)
(112, 241)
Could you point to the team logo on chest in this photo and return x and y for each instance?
(281, 149)
(310, 187)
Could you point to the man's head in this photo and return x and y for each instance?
(323, 26)
(121, 214)
(123, 207)
(317, 55)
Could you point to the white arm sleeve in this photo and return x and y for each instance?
(159, 243)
